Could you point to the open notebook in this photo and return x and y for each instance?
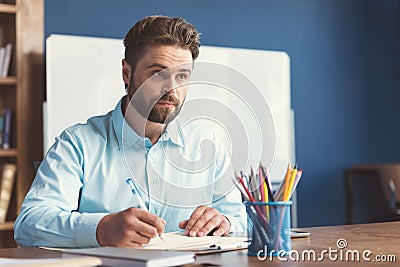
(199, 245)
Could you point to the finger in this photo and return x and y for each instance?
(142, 228)
(211, 223)
(137, 238)
(201, 222)
(196, 214)
(130, 238)
(222, 229)
(136, 224)
(133, 245)
(183, 224)
(152, 220)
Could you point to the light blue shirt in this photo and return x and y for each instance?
(82, 179)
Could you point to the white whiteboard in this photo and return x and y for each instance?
(84, 79)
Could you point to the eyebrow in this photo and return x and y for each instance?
(165, 67)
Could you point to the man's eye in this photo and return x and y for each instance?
(182, 76)
(156, 73)
(159, 75)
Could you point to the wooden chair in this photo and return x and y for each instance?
(389, 175)
(386, 175)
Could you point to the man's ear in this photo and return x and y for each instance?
(126, 71)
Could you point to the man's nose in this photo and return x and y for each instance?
(169, 84)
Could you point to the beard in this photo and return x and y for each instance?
(156, 113)
(160, 114)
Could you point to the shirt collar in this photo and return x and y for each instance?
(172, 133)
(127, 137)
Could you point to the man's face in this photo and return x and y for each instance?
(159, 83)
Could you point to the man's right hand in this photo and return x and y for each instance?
(129, 228)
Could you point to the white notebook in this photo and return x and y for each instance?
(79, 261)
(112, 256)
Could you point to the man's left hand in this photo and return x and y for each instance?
(204, 220)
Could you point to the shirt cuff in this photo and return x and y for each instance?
(85, 231)
(236, 226)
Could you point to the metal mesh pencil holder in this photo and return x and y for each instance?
(269, 228)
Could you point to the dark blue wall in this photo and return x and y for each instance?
(345, 73)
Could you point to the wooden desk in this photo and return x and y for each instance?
(380, 238)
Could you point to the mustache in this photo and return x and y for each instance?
(169, 98)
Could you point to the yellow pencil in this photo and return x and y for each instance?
(287, 181)
(296, 181)
(292, 178)
(266, 198)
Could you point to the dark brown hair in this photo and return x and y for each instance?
(160, 30)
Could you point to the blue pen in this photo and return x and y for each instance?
(135, 192)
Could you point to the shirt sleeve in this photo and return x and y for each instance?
(232, 208)
(227, 198)
(49, 214)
